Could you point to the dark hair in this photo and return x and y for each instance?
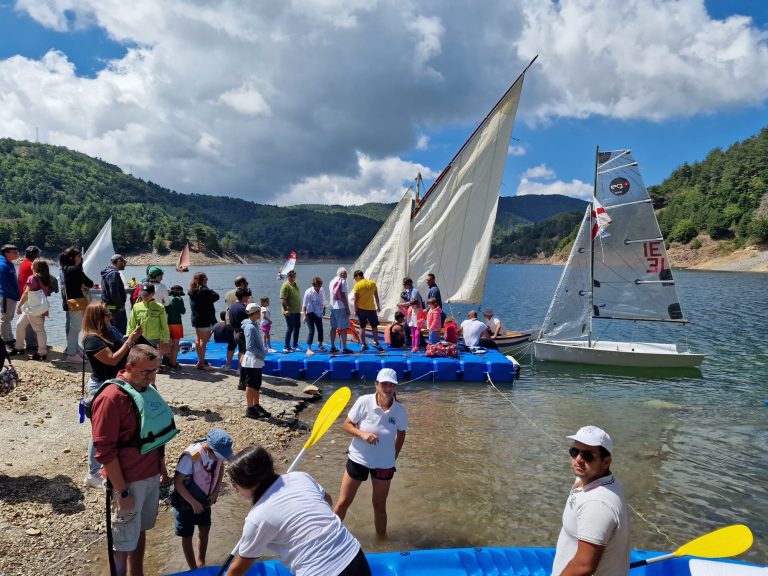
(358, 273)
(431, 276)
(317, 281)
(8, 248)
(241, 281)
(603, 452)
(32, 252)
(263, 300)
(196, 283)
(399, 315)
(253, 467)
(242, 292)
(407, 280)
(67, 257)
(40, 270)
(223, 315)
(432, 301)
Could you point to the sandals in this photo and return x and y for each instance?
(203, 366)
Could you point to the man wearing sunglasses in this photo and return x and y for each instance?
(131, 425)
(595, 534)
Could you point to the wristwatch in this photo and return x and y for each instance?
(125, 493)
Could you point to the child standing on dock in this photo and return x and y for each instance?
(434, 320)
(175, 310)
(266, 323)
(416, 317)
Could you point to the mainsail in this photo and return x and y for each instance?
(289, 265)
(99, 253)
(182, 265)
(451, 227)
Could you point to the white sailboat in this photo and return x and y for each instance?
(99, 253)
(448, 232)
(618, 270)
(289, 265)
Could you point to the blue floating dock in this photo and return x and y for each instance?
(361, 365)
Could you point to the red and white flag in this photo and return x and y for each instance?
(600, 219)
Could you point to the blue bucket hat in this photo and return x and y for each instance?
(220, 442)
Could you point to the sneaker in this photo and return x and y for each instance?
(297, 348)
(14, 352)
(378, 347)
(334, 350)
(271, 350)
(364, 347)
(322, 348)
(287, 350)
(94, 480)
(346, 351)
(263, 412)
(75, 358)
(37, 356)
(253, 412)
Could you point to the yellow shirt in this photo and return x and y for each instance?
(364, 291)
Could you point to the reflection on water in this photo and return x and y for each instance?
(483, 466)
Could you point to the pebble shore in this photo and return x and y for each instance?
(50, 522)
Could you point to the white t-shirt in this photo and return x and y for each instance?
(266, 319)
(294, 521)
(596, 513)
(314, 301)
(337, 304)
(492, 323)
(369, 417)
(161, 293)
(471, 330)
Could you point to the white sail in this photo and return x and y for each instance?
(569, 313)
(452, 228)
(385, 259)
(289, 265)
(632, 275)
(99, 253)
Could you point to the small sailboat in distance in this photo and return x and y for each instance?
(289, 265)
(183, 264)
(99, 253)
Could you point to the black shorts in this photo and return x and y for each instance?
(360, 472)
(367, 317)
(251, 377)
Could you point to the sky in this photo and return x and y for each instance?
(345, 101)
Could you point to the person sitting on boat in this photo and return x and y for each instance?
(408, 294)
(493, 323)
(113, 292)
(394, 333)
(434, 292)
(367, 306)
(291, 516)
(595, 534)
(475, 333)
(451, 330)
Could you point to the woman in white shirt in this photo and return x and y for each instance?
(377, 423)
(313, 309)
(291, 516)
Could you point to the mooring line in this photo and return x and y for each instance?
(564, 451)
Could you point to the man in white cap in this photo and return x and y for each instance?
(377, 423)
(595, 534)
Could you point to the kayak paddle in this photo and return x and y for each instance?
(722, 543)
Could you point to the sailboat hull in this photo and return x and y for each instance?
(632, 354)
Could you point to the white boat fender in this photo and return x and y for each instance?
(515, 363)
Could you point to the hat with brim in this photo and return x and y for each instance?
(220, 442)
(593, 436)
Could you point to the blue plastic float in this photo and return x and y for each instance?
(364, 365)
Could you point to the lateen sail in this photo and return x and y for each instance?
(569, 314)
(385, 259)
(450, 230)
(184, 259)
(289, 265)
(99, 253)
(631, 271)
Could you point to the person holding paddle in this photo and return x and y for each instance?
(595, 534)
(291, 516)
(377, 423)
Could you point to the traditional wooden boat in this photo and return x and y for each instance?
(182, 265)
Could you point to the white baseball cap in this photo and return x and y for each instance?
(593, 436)
(387, 375)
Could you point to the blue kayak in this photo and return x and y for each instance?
(504, 561)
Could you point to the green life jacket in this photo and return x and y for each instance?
(156, 424)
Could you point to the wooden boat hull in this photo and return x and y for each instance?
(504, 560)
(631, 354)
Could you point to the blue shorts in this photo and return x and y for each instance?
(339, 319)
(187, 520)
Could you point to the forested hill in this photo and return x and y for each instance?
(54, 197)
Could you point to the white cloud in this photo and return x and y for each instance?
(543, 180)
(641, 59)
(375, 181)
(264, 100)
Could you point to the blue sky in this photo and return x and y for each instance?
(343, 100)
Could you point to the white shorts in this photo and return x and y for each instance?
(127, 526)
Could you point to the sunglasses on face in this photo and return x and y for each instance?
(585, 455)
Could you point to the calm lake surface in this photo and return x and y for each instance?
(487, 466)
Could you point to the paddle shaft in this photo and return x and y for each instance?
(298, 459)
(647, 561)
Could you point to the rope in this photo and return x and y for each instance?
(564, 451)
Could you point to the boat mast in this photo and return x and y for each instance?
(592, 250)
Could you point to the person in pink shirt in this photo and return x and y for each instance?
(434, 320)
(416, 318)
(451, 330)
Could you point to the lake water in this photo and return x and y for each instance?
(487, 466)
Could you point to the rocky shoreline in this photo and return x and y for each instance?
(49, 520)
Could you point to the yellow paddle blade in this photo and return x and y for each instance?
(328, 414)
(722, 543)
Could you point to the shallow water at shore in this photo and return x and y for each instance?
(483, 466)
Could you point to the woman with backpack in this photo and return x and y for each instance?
(33, 309)
(76, 283)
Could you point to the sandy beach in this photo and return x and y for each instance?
(50, 522)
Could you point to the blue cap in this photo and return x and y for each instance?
(220, 442)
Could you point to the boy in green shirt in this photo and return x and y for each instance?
(151, 316)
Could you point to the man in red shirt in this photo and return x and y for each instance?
(131, 449)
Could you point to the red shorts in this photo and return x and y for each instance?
(176, 331)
